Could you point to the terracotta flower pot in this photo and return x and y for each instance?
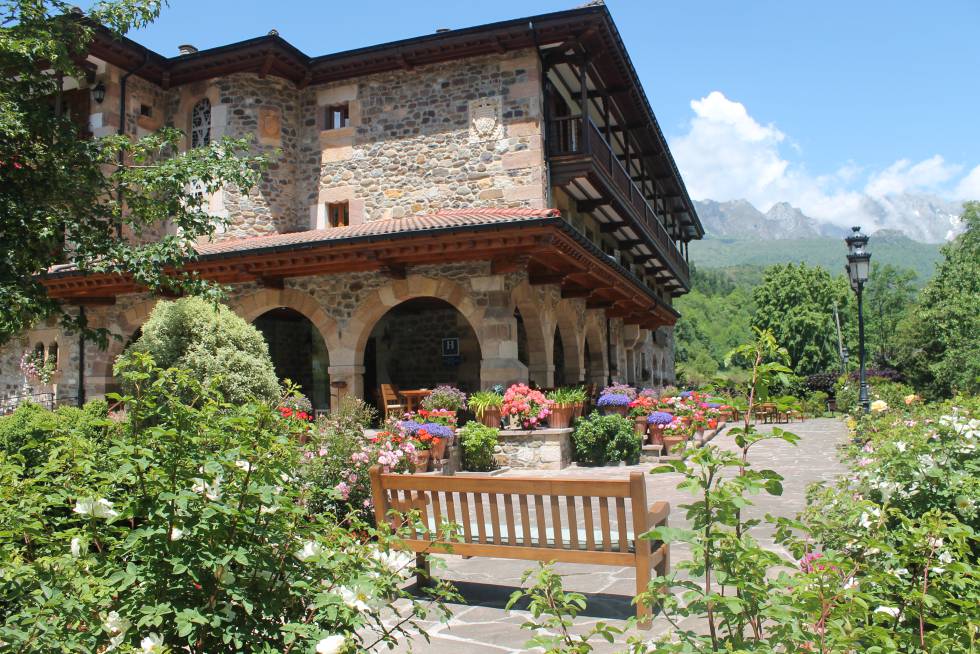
(438, 449)
(673, 442)
(577, 409)
(491, 417)
(561, 416)
(422, 458)
(656, 435)
(640, 427)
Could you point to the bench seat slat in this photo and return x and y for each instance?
(572, 521)
(494, 517)
(524, 485)
(481, 523)
(621, 522)
(556, 522)
(604, 524)
(509, 514)
(525, 521)
(589, 526)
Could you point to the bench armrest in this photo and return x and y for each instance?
(658, 514)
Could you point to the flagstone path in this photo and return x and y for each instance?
(481, 624)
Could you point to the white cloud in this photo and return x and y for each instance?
(727, 154)
(969, 186)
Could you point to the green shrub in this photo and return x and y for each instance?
(330, 464)
(210, 342)
(598, 439)
(190, 529)
(30, 430)
(352, 415)
(478, 442)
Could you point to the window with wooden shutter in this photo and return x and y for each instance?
(338, 214)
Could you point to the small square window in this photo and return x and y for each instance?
(337, 116)
(338, 214)
(146, 110)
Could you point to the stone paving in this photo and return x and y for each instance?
(481, 624)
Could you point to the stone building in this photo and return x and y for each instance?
(475, 206)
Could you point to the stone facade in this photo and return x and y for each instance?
(461, 134)
(541, 449)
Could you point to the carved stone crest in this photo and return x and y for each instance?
(485, 121)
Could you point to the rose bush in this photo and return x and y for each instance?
(187, 528)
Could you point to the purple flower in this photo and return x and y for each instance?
(620, 389)
(713, 405)
(409, 427)
(686, 394)
(613, 399)
(436, 430)
(659, 418)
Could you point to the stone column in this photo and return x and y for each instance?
(498, 343)
(345, 379)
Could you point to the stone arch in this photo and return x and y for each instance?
(539, 326)
(255, 304)
(102, 380)
(347, 367)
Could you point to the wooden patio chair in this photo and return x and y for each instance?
(766, 411)
(391, 402)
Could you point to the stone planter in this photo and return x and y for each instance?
(541, 449)
(490, 417)
(561, 416)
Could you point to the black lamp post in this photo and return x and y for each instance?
(858, 270)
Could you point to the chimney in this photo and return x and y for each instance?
(186, 49)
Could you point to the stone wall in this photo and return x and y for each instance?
(541, 449)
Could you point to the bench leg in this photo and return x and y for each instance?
(643, 611)
(423, 575)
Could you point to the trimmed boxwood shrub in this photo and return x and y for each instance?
(599, 439)
(210, 342)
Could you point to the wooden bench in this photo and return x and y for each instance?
(529, 518)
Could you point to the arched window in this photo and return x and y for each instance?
(53, 354)
(201, 124)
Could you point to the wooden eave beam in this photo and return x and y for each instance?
(609, 228)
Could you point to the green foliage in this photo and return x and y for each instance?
(212, 343)
(553, 613)
(30, 432)
(480, 401)
(567, 395)
(796, 302)
(187, 527)
(58, 186)
(745, 258)
(446, 398)
(352, 415)
(334, 443)
(937, 345)
(598, 439)
(478, 442)
(715, 317)
(889, 293)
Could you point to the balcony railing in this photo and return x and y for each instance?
(566, 138)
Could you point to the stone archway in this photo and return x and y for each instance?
(595, 346)
(321, 341)
(493, 323)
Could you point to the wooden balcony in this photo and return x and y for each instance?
(584, 160)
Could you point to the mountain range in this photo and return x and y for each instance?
(921, 217)
(737, 234)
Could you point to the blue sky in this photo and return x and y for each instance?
(818, 103)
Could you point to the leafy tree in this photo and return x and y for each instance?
(938, 348)
(889, 293)
(796, 302)
(98, 202)
(211, 343)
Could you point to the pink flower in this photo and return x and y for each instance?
(343, 489)
(865, 462)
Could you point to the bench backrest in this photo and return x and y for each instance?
(562, 519)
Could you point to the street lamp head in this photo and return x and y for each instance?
(858, 258)
(98, 93)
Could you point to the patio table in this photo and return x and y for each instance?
(413, 398)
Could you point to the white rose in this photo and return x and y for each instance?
(355, 599)
(76, 547)
(310, 550)
(176, 533)
(330, 644)
(100, 508)
(244, 465)
(888, 610)
(152, 643)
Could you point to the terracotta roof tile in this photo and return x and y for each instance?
(445, 219)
